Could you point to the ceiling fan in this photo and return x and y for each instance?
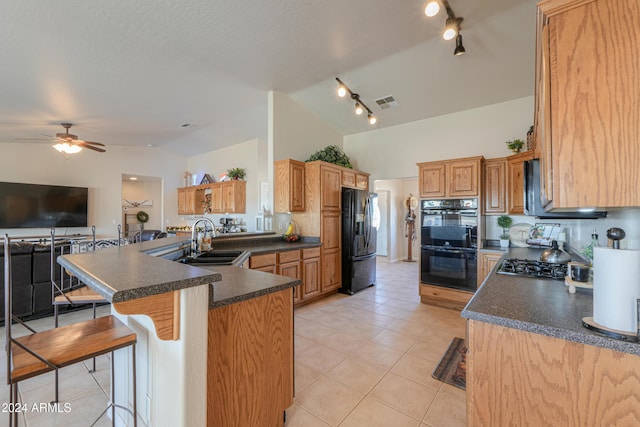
(69, 143)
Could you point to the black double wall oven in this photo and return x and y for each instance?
(449, 243)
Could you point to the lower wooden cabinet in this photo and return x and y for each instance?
(289, 265)
(486, 261)
(311, 269)
(444, 297)
(264, 262)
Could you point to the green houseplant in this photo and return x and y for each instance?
(236, 173)
(332, 154)
(504, 222)
(515, 145)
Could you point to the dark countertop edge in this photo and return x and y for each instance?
(487, 313)
(240, 284)
(586, 337)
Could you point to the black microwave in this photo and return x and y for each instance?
(533, 204)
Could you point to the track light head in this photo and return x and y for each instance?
(342, 91)
(451, 28)
(359, 109)
(432, 9)
(372, 119)
(459, 47)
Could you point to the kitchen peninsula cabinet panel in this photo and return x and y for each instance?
(289, 186)
(495, 186)
(519, 378)
(588, 119)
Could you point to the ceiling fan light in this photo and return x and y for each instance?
(432, 9)
(66, 148)
(359, 109)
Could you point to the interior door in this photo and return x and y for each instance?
(383, 223)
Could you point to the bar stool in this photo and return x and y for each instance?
(41, 352)
(73, 292)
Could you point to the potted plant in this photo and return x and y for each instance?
(504, 222)
(236, 173)
(332, 154)
(515, 145)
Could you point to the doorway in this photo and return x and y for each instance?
(383, 227)
(141, 199)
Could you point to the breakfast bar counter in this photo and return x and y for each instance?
(215, 343)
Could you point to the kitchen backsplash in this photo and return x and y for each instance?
(579, 231)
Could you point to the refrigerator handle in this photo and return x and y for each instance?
(367, 221)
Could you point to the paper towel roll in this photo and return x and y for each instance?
(616, 287)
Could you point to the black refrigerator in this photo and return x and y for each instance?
(359, 236)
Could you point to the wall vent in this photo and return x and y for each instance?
(387, 102)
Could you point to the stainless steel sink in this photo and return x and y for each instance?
(213, 257)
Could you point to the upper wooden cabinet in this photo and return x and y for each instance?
(226, 197)
(587, 111)
(190, 200)
(362, 180)
(330, 188)
(515, 181)
(495, 186)
(349, 178)
(289, 186)
(450, 178)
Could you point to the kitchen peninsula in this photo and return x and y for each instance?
(215, 344)
(531, 362)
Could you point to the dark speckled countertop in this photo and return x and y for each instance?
(147, 268)
(541, 306)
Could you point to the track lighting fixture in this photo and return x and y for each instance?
(360, 106)
(452, 24)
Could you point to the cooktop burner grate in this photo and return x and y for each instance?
(531, 268)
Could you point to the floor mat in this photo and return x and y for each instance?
(452, 368)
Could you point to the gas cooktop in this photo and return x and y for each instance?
(532, 268)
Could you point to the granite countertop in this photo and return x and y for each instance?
(132, 271)
(542, 306)
(264, 245)
(239, 284)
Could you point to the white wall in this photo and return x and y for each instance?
(394, 151)
(399, 190)
(248, 155)
(101, 172)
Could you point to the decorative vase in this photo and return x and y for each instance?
(504, 243)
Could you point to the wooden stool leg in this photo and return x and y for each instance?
(113, 391)
(135, 396)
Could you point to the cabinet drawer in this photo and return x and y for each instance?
(263, 260)
(288, 256)
(311, 253)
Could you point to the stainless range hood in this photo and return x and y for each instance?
(533, 205)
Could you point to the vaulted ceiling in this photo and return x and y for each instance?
(131, 73)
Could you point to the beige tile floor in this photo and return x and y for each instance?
(361, 361)
(366, 360)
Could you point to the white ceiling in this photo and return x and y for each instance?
(129, 73)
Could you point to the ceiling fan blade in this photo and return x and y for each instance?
(92, 143)
(90, 147)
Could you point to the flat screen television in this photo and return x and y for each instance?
(42, 206)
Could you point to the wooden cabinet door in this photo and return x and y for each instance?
(268, 260)
(495, 186)
(331, 269)
(362, 181)
(594, 91)
(289, 186)
(310, 277)
(182, 201)
(487, 261)
(348, 179)
(432, 179)
(291, 269)
(216, 198)
(515, 183)
(331, 188)
(462, 177)
(234, 196)
(331, 230)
